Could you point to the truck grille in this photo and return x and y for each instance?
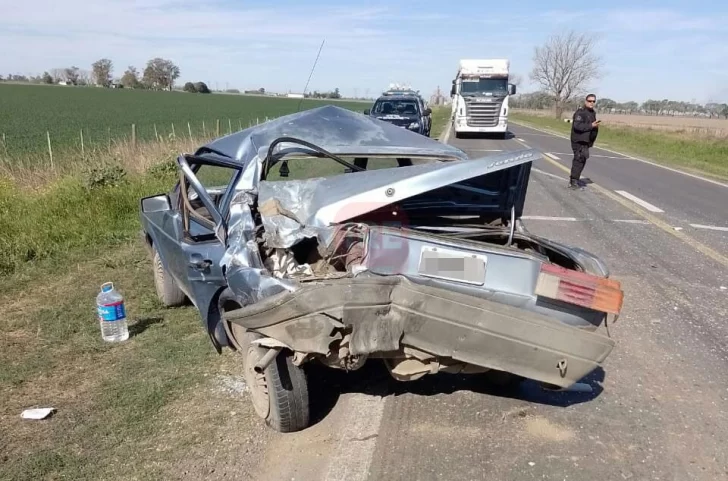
(483, 114)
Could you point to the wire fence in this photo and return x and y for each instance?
(85, 140)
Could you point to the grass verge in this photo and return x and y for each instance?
(158, 406)
(440, 117)
(701, 156)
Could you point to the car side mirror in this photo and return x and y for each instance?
(428, 111)
(511, 89)
(452, 91)
(366, 112)
(156, 203)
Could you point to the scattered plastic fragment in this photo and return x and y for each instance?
(37, 413)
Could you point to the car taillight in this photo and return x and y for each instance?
(580, 288)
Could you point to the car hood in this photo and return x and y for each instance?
(494, 186)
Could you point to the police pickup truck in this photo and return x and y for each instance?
(404, 108)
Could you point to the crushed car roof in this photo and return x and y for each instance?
(335, 129)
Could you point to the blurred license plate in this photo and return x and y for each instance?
(452, 265)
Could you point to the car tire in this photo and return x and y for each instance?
(279, 394)
(167, 291)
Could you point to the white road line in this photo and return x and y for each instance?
(711, 181)
(631, 221)
(709, 227)
(534, 169)
(639, 201)
(353, 453)
(483, 150)
(544, 217)
(548, 154)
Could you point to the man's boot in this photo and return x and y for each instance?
(573, 184)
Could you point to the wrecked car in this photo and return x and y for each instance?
(330, 237)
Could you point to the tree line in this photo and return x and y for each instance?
(543, 100)
(158, 74)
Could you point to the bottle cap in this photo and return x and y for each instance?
(107, 286)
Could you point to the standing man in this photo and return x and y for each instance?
(584, 131)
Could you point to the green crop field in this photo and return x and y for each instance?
(31, 113)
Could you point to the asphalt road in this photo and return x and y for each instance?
(658, 410)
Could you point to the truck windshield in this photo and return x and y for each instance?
(395, 106)
(481, 86)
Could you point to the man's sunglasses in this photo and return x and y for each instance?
(591, 101)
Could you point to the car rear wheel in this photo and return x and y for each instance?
(167, 291)
(280, 393)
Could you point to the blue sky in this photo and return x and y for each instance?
(667, 49)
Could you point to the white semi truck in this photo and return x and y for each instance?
(480, 93)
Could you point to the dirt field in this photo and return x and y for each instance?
(701, 127)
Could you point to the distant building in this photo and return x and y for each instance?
(437, 98)
(294, 96)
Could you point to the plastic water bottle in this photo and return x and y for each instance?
(112, 315)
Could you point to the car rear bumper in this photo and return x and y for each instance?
(387, 313)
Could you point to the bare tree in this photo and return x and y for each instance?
(83, 77)
(72, 75)
(564, 66)
(58, 74)
(102, 71)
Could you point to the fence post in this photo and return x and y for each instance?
(156, 135)
(133, 134)
(189, 130)
(204, 130)
(230, 126)
(50, 150)
(83, 152)
(217, 129)
(174, 135)
(240, 124)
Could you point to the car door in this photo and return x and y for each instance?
(205, 191)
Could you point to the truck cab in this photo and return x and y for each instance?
(480, 93)
(404, 108)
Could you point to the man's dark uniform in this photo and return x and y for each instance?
(583, 136)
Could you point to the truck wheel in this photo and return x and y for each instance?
(167, 291)
(280, 393)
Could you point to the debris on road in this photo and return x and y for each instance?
(37, 413)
